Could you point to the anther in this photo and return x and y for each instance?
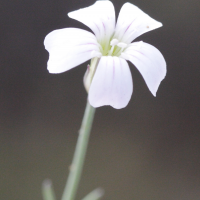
(114, 42)
(122, 45)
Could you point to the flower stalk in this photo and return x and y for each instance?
(79, 155)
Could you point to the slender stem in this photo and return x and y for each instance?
(79, 155)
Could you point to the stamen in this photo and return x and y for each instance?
(114, 42)
(111, 51)
(122, 45)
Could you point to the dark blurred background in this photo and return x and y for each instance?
(148, 150)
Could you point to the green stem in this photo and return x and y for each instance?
(79, 155)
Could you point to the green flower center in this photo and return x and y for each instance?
(112, 48)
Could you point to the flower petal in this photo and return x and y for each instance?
(133, 22)
(112, 83)
(100, 18)
(69, 47)
(149, 61)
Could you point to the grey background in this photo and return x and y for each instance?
(148, 150)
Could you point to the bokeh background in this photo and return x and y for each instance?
(148, 150)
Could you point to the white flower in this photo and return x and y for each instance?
(111, 44)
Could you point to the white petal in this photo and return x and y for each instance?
(112, 83)
(69, 47)
(133, 22)
(100, 18)
(149, 61)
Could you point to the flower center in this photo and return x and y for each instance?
(115, 48)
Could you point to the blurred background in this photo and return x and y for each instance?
(148, 150)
